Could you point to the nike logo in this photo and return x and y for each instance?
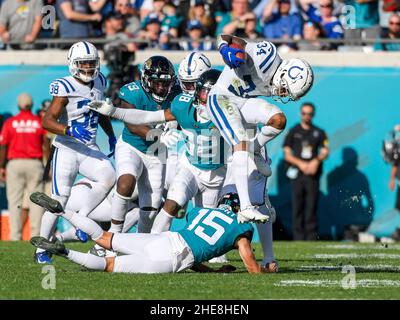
(229, 56)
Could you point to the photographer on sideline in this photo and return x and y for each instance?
(395, 173)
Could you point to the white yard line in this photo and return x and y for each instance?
(365, 283)
(375, 246)
(357, 256)
(380, 267)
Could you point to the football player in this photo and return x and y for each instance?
(138, 155)
(201, 170)
(207, 233)
(76, 125)
(253, 69)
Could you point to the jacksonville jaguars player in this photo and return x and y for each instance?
(201, 170)
(136, 155)
(208, 233)
(76, 125)
(233, 102)
(189, 71)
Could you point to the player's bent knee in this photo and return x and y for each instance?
(278, 121)
(126, 185)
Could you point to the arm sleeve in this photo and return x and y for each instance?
(324, 142)
(139, 117)
(263, 55)
(312, 14)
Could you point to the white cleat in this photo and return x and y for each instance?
(220, 259)
(251, 214)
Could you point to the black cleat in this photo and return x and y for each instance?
(43, 200)
(57, 248)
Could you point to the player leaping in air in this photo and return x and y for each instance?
(253, 69)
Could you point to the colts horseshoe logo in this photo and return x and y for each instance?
(296, 75)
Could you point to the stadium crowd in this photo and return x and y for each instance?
(194, 24)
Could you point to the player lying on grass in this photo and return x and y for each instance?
(208, 233)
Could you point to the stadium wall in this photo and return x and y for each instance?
(353, 94)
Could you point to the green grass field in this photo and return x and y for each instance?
(311, 270)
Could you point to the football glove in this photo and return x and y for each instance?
(103, 107)
(170, 138)
(229, 56)
(79, 132)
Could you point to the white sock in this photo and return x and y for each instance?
(240, 163)
(119, 208)
(48, 226)
(87, 260)
(95, 196)
(266, 134)
(68, 235)
(162, 222)
(266, 237)
(146, 219)
(84, 223)
(131, 218)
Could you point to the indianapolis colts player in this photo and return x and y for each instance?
(233, 101)
(76, 125)
(208, 233)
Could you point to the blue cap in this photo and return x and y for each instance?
(194, 24)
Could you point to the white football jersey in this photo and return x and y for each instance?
(76, 111)
(252, 78)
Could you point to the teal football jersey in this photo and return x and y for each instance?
(133, 93)
(204, 143)
(213, 232)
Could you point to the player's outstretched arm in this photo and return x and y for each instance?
(130, 115)
(247, 255)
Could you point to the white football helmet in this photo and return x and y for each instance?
(190, 70)
(292, 80)
(84, 61)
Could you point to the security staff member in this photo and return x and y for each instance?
(305, 148)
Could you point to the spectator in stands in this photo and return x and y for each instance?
(324, 16)
(312, 32)
(151, 32)
(250, 29)
(195, 42)
(234, 21)
(76, 19)
(279, 23)
(198, 12)
(22, 145)
(305, 148)
(169, 23)
(20, 21)
(393, 32)
(366, 20)
(114, 29)
(125, 8)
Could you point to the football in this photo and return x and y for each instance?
(240, 55)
